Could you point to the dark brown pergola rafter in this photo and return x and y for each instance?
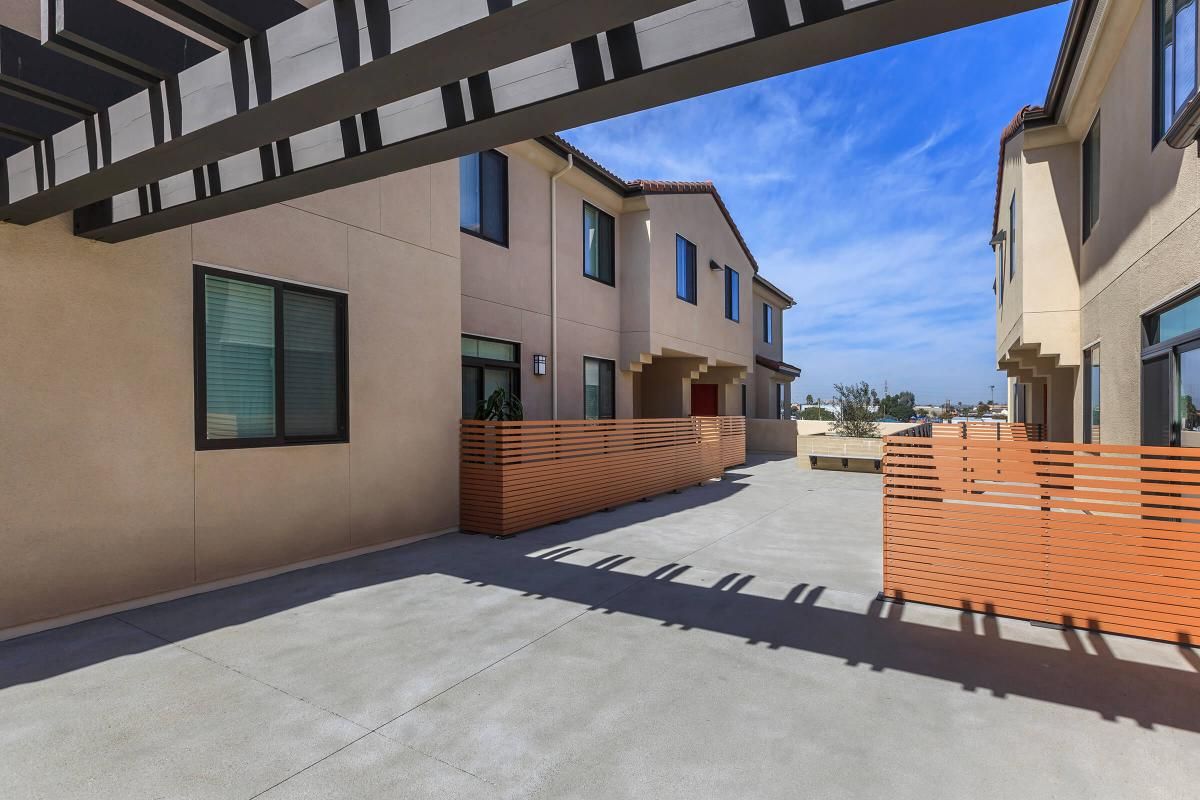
(325, 99)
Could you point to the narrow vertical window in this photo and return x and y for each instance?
(483, 195)
(1012, 237)
(1091, 179)
(685, 269)
(1091, 396)
(270, 362)
(599, 251)
(768, 331)
(599, 388)
(1000, 282)
(239, 358)
(733, 294)
(310, 368)
(1175, 53)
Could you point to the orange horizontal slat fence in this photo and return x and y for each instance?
(515, 476)
(992, 431)
(1101, 537)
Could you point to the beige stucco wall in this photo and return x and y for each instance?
(106, 498)
(700, 329)
(639, 323)
(507, 290)
(21, 15)
(1142, 251)
(771, 436)
(1146, 247)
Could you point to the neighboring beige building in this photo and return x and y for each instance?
(1097, 235)
(590, 296)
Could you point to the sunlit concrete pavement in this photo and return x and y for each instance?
(723, 642)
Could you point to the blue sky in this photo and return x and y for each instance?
(865, 189)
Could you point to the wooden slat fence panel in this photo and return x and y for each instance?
(989, 431)
(519, 475)
(1101, 537)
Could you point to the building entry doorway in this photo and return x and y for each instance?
(704, 400)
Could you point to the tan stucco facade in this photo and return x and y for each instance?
(1071, 295)
(106, 498)
(660, 345)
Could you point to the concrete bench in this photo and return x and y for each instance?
(846, 458)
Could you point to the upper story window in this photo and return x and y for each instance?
(768, 319)
(1000, 281)
(685, 269)
(733, 294)
(1012, 237)
(1175, 53)
(599, 252)
(270, 362)
(1091, 179)
(483, 196)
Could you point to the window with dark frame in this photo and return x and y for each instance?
(483, 196)
(733, 294)
(488, 365)
(780, 400)
(1175, 61)
(270, 362)
(685, 270)
(599, 388)
(1091, 396)
(1091, 179)
(768, 331)
(1171, 374)
(1012, 237)
(599, 245)
(1000, 280)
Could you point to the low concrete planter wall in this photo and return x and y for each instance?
(772, 435)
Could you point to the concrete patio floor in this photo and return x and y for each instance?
(723, 642)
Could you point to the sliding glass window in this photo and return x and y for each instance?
(488, 365)
(599, 251)
(270, 362)
(1171, 375)
(483, 196)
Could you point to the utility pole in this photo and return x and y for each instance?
(992, 402)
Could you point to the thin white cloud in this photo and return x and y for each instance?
(872, 212)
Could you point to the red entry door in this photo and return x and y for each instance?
(704, 400)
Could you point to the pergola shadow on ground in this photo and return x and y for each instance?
(1080, 671)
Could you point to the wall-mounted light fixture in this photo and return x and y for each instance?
(713, 265)
(539, 365)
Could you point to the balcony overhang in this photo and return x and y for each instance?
(304, 100)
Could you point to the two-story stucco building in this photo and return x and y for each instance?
(1097, 233)
(282, 386)
(589, 296)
